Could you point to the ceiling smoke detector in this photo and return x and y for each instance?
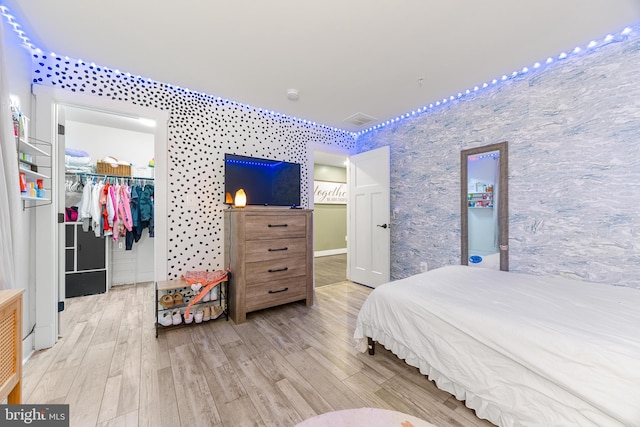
(359, 119)
(293, 94)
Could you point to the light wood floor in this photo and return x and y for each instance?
(330, 269)
(280, 367)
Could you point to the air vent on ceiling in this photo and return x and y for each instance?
(359, 119)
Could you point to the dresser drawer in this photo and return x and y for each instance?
(266, 271)
(269, 294)
(265, 250)
(275, 226)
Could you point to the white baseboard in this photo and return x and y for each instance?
(330, 252)
(44, 337)
(27, 349)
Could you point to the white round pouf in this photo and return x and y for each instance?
(369, 417)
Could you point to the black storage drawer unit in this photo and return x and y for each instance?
(85, 262)
(86, 283)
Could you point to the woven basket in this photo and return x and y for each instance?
(108, 169)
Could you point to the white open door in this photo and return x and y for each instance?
(368, 232)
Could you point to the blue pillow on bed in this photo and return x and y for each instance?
(75, 152)
(475, 259)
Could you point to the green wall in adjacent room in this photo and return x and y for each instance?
(329, 220)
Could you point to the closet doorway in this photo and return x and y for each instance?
(103, 148)
(50, 219)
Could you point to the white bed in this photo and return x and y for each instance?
(518, 349)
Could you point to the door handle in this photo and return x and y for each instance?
(383, 225)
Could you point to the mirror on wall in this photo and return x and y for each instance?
(484, 206)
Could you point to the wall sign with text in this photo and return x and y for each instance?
(329, 192)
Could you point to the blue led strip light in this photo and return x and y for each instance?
(618, 37)
(37, 53)
(11, 20)
(253, 163)
(609, 38)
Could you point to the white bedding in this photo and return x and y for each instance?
(79, 164)
(519, 349)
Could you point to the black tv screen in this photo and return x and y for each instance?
(266, 182)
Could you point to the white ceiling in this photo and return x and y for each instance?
(101, 118)
(380, 58)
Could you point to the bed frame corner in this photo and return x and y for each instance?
(371, 345)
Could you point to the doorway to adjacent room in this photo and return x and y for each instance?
(330, 217)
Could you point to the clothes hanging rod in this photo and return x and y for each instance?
(106, 175)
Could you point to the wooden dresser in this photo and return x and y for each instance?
(270, 254)
(11, 346)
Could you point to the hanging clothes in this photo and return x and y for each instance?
(117, 209)
(136, 230)
(146, 208)
(84, 208)
(141, 206)
(96, 213)
(124, 208)
(113, 194)
(106, 210)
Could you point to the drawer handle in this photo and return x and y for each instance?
(278, 291)
(278, 249)
(278, 225)
(275, 270)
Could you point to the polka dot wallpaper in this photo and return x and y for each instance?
(201, 129)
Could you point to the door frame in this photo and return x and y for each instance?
(46, 128)
(503, 201)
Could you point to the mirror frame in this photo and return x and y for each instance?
(503, 201)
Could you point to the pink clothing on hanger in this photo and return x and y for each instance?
(124, 207)
(114, 212)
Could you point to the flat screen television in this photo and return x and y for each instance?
(266, 182)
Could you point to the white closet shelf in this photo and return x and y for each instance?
(40, 199)
(27, 147)
(33, 174)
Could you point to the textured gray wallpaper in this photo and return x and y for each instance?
(573, 129)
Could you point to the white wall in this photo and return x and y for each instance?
(18, 66)
(101, 141)
(135, 265)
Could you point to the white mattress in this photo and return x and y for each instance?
(519, 349)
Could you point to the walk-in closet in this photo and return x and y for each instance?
(108, 197)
